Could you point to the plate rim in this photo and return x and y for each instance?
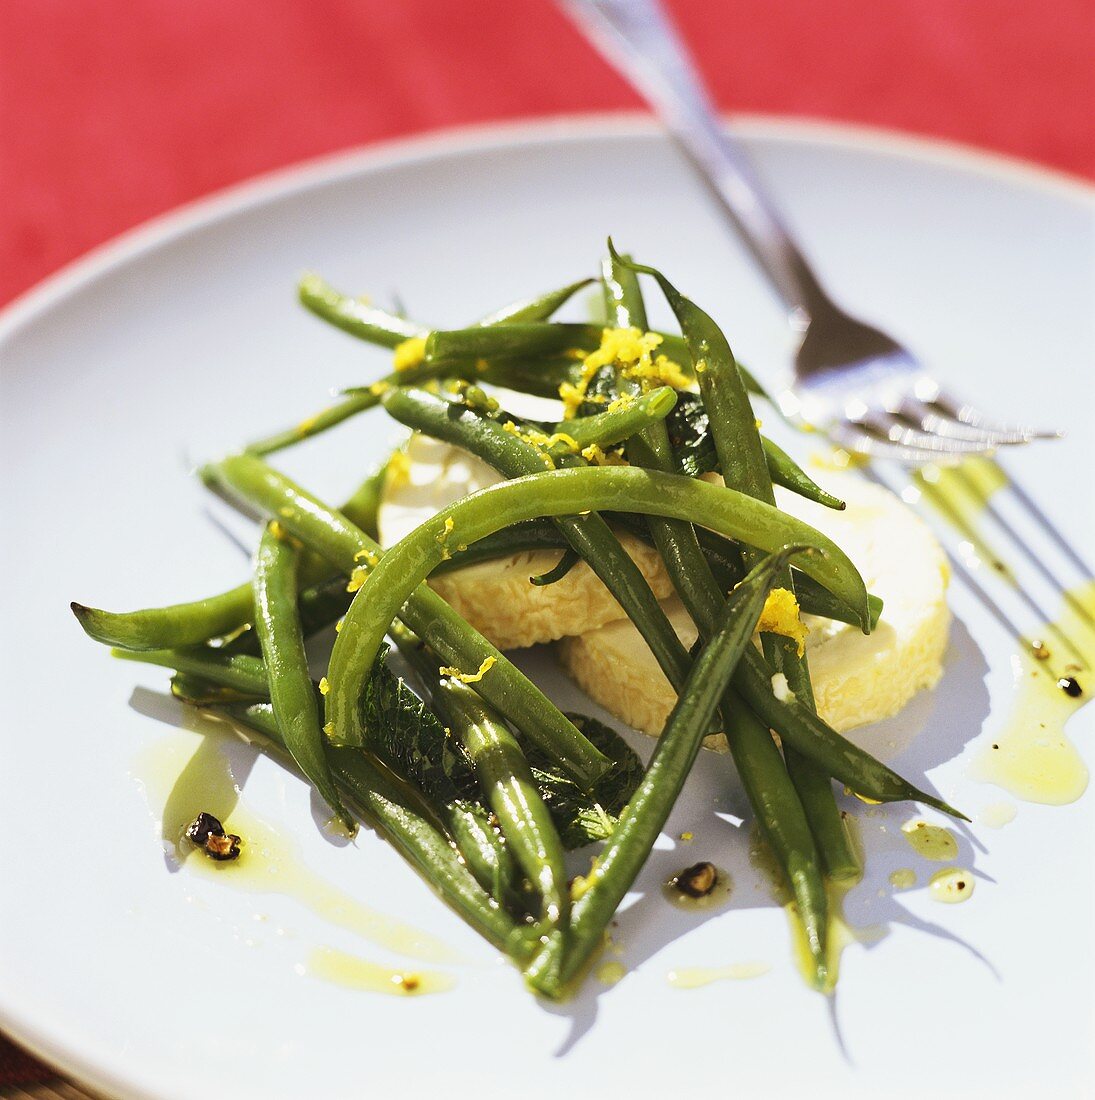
(377, 156)
(60, 1052)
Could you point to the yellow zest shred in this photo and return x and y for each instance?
(469, 677)
(410, 353)
(781, 616)
(443, 538)
(324, 686)
(593, 453)
(338, 625)
(277, 530)
(568, 441)
(398, 473)
(379, 389)
(357, 578)
(329, 729)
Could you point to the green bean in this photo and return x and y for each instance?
(624, 854)
(538, 308)
(186, 624)
(199, 692)
(556, 493)
(528, 339)
(359, 400)
(238, 671)
(354, 316)
(508, 341)
(783, 470)
(386, 807)
(504, 776)
(345, 546)
(618, 424)
(291, 690)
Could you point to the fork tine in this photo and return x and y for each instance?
(931, 393)
(932, 419)
(889, 427)
(853, 438)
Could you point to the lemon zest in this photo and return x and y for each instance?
(781, 616)
(469, 677)
(593, 453)
(324, 685)
(409, 353)
(443, 537)
(398, 473)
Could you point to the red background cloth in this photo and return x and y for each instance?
(113, 112)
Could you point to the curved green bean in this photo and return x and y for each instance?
(615, 425)
(348, 548)
(292, 692)
(557, 493)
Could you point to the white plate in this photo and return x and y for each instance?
(184, 340)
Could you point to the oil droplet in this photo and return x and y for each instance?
(930, 841)
(718, 896)
(904, 878)
(180, 781)
(695, 977)
(951, 885)
(355, 973)
(611, 972)
(997, 815)
(1032, 757)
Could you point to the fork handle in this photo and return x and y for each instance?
(638, 39)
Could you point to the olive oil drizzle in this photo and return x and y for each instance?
(352, 972)
(695, 977)
(181, 781)
(1031, 757)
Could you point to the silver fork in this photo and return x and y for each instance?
(851, 380)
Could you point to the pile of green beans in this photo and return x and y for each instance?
(443, 774)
